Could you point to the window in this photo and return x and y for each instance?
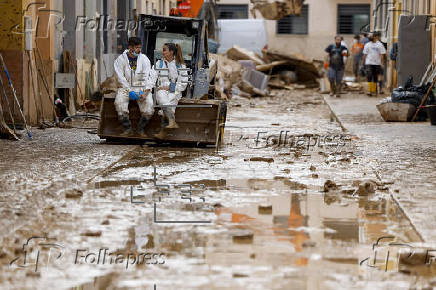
(232, 11)
(352, 18)
(293, 24)
(123, 15)
(183, 40)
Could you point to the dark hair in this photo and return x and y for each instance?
(357, 36)
(177, 51)
(133, 41)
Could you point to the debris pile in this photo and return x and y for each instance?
(250, 74)
(238, 53)
(229, 72)
(278, 9)
(350, 84)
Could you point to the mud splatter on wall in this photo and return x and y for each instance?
(11, 23)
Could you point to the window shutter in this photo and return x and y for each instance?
(224, 11)
(293, 24)
(352, 18)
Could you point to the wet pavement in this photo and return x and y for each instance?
(402, 152)
(290, 201)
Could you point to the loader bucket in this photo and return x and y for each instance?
(200, 122)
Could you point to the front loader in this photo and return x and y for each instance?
(201, 117)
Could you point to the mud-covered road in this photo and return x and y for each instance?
(288, 202)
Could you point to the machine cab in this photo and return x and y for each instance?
(191, 35)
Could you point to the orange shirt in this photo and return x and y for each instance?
(357, 48)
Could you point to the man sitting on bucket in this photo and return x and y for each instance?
(133, 71)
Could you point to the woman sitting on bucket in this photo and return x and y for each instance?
(172, 79)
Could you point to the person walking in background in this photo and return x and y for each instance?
(335, 60)
(364, 38)
(357, 51)
(374, 53)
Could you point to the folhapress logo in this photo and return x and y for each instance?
(37, 252)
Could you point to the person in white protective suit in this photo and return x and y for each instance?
(172, 79)
(133, 70)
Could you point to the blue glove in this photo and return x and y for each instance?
(135, 96)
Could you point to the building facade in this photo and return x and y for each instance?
(311, 32)
(94, 33)
(320, 20)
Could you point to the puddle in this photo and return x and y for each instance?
(340, 231)
(293, 234)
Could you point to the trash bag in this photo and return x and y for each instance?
(413, 94)
(409, 83)
(409, 97)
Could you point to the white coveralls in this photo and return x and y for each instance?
(174, 74)
(140, 79)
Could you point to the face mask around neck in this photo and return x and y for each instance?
(134, 53)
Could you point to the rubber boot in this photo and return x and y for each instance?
(374, 88)
(332, 88)
(126, 125)
(171, 119)
(161, 135)
(370, 89)
(141, 126)
(338, 91)
(163, 123)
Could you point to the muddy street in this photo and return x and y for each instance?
(289, 201)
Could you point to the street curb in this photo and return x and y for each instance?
(398, 203)
(334, 116)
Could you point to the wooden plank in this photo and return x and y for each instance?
(29, 107)
(14, 64)
(69, 99)
(46, 69)
(4, 129)
(37, 94)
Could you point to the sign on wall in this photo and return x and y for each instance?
(64, 81)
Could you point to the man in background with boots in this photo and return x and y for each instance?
(336, 56)
(374, 54)
(133, 71)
